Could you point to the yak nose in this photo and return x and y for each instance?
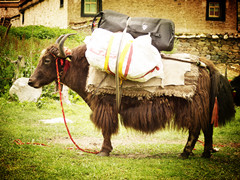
(33, 82)
(30, 82)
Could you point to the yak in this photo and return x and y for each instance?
(144, 115)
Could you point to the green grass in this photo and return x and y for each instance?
(135, 155)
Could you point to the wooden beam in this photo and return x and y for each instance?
(27, 4)
(8, 4)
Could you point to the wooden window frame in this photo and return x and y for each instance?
(222, 8)
(99, 8)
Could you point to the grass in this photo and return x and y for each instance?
(135, 155)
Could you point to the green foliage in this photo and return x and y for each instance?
(74, 97)
(50, 91)
(6, 74)
(2, 30)
(39, 32)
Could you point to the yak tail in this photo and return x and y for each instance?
(220, 90)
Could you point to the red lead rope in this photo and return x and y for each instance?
(60, 93)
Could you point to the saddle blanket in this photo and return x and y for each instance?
(180, 80)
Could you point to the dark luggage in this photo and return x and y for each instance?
(161, 30)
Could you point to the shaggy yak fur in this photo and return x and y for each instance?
(235, 83)
(146, 115)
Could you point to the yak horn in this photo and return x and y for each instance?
(61, 43)
(59, 39)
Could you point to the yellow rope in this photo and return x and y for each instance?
(108, 54)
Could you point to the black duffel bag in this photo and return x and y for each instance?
(161, 30)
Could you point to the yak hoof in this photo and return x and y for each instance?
(184, 155)
(103, 154)
(206, 155)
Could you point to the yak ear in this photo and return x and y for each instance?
(61, 45)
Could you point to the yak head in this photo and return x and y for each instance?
(45, 72)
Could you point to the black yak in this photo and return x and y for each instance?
(145, 115)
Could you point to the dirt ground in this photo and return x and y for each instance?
(94, 143)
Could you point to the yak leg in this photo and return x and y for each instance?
(192, 139)
(106, 146)
(208, 147)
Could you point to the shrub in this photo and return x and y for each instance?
(6, 75)
(2, 30)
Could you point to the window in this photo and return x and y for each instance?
(61, 3)
(90, 7)
(216, 10)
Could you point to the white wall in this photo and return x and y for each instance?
(47, 13)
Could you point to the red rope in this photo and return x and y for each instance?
(19, 142)
(59, 88)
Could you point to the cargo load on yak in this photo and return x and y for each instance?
(137, 60)
(161, 30)
(126, 61)
(129, 45)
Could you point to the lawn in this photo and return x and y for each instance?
(135, 155)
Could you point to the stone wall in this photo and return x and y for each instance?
(219, 48)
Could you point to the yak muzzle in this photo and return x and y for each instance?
(32, 83)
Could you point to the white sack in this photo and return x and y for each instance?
(145, 59)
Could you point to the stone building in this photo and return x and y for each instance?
(203, 27)
(189, 16)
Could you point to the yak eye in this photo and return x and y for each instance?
(47, 61)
